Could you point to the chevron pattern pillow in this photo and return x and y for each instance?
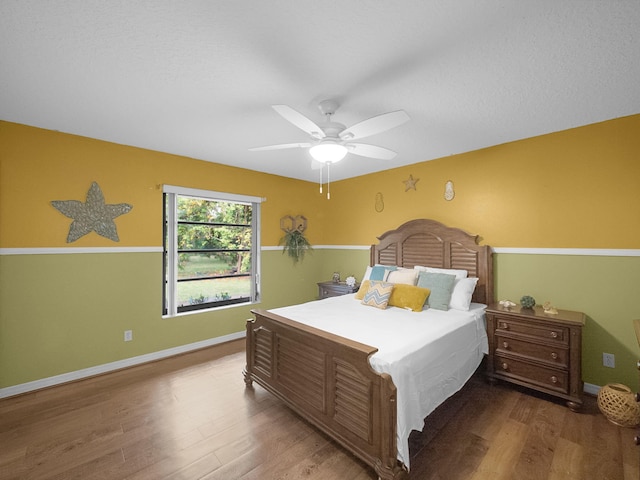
(378, 294)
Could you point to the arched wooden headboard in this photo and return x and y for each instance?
(430, 243)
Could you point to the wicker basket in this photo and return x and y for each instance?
(618, 404)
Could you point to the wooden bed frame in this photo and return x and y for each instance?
(327, 379)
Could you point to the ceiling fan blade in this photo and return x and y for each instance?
(371, 151)
(374, 125)
(299, 120)
(280, 147)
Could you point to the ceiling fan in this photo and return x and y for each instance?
(331, 141)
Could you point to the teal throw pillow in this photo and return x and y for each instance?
(441, 286)
(379, 272)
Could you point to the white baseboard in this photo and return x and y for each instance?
(591, 389)
(113, 366)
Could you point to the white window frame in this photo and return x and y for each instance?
(170, 294)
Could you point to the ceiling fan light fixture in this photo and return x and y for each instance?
(328, 152)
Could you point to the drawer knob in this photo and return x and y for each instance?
(637, 439)
(505, 366)
(554, 379)
(504, 326)
(554, 355)
(505, 345)
(554, 334)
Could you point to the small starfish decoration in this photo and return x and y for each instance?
(92, 216)
(410, 183)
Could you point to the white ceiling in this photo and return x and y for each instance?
(197, 78)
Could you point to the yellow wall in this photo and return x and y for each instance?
(38, 166)
(572, 189)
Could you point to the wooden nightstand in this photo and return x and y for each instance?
(331, 289)
(537, 350)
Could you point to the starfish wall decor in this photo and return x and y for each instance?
(92, 216)
(410, 183)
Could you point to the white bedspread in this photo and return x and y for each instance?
(430, 355)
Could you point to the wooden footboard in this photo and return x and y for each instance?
(328, 381)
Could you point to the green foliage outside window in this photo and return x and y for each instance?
(231, 229)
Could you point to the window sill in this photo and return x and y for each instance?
(212, 309)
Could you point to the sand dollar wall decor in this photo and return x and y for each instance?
(379, 203)
(449, 193)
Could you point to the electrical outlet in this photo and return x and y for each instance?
(609, 360)
(128, 335)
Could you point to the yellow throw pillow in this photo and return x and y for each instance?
(359, 295)
(409, 297)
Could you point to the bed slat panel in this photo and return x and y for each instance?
(352, 400)
(300, 370)
(262, 351)
(388, 256)
(464, 259)
(420, 248)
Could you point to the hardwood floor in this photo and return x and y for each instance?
(191, 417)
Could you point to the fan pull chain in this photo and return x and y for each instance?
(328, 181)
(321, 168)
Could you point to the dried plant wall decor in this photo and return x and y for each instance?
(294, 242)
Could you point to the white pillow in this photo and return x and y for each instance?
(449, 271)
(462, 292)
(367, 274)
(407, 276)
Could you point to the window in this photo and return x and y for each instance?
(211, 248)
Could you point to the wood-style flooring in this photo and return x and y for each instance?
(191, 417)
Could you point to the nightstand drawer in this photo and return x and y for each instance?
(550, 332)
(552, 355)
(548, 378)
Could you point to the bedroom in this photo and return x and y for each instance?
(77, 325)
(65, 314)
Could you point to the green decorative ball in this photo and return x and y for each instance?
(527, 302)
